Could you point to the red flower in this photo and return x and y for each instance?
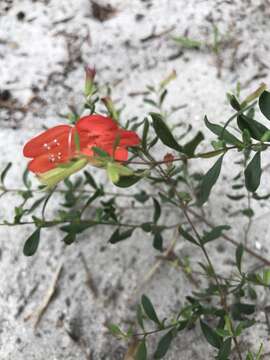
(57, 145)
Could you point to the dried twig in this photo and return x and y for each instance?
(48, 298)
(89, 279)
(154, 35)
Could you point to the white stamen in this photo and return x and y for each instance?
(51, 158)
(47, 147)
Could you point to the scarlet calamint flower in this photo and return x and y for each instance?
(56, 147)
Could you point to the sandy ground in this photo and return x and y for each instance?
(44, 45)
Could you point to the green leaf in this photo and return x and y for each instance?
(163, 345)
(98, 151)
(127, 181)
(90, 180)
(187, 236)
(255, 129)
(145, 134)
(36, 204)
(246, 138)
(93, 197)
(259, 352)
(238, 255)
(147, 227)
(114, 330)
(234, 102)
(235, 197)
(140, 316)
(248, 212)
(225, 350)
(117, 236)
(164, 133)
(149, 309)
(26, 181)
(142, 351)
(5, 171)
(157, 211)
(215, 233)
(77, 141)
(191, 146)
(69, 238)
(187, 42)
(250, 356)
(211, 336)
(264, 104)
(243, 325)
(266, 136)
(253, 173)
(222, 133)
(266, 276)
(208, 181)
(113, 173)
(158, 241)
(77, 227)
(142, 196)
(163, 96)
(237, 309)
(150, 102)
(31, 244)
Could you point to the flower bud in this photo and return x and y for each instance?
(53, 177)
(90, 74)
(113, 113)
(168, 159)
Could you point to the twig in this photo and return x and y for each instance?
(89, 279)
(62, 21)
(47, 300)
(154, 35)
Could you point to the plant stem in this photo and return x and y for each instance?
(229, 239)
(223, 301)
(49, 223)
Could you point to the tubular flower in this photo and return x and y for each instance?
(63, 143)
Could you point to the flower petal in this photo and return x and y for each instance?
(96, 124)
(128, 138)
(46, 141)
(44, 163)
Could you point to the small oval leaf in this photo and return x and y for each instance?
(163, 345)
(149, 309)
(208, 181)
(211, 336)
(253, 173)
(264, 104)
(31, 244)
(164, 133)
(142, 351)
